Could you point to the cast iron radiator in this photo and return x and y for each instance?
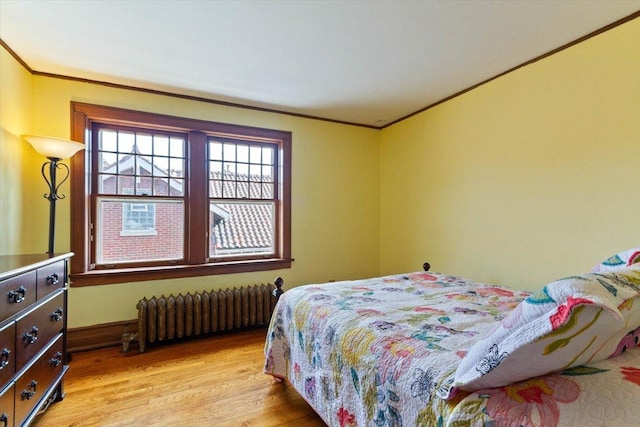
(183, 316)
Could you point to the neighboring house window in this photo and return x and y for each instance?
(138, 219)
(159, 196)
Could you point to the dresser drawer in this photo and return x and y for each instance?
(36, 381)
(50, 278)
(33, 299)
(7, 353)
(6, 406)
(37, 327)
(16, 294)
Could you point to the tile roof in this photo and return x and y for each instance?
(247, 228)
(241, 227)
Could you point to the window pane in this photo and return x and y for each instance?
(126, 185)
(229, 171)
(229, 189)
(161, 145)
(241, 228)
(108, 140)
(176, 187)
(255, 171)
(243, 172)
(106, 162)
(215, 188)
(126, 164)
(267, 155)
(243, 153)
(255, 192)
(256, 154)
(215, 169)
(215, 151)
(267, 174)
(160, 166)
(107, 184)
(126, 141)
(176, 167)
(176, 147)
(243, 190)
(137, 230)
(160, 187)
(267, 191)
(229, 152)
(144, 144)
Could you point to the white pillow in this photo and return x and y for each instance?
(570, 322)
(620, 260)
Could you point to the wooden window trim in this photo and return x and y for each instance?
(82, 117)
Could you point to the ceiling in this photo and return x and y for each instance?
(361, 62)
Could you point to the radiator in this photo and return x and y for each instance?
(183, 316)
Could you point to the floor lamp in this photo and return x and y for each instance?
(55, 150)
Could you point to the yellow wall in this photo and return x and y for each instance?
(530, 177)
(522, 180)
(16, 182)
(335, 191)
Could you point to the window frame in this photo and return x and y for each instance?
(221, 184)
(196, 261)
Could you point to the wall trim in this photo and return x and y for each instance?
(99, 336)
(104, 335)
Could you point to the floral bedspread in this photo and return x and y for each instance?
(603, 394)
(376, 352)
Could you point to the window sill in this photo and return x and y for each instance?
(128, 233)
(140, 274)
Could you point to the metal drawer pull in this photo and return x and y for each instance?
(53, 279)
(4, 358)
(56, 360)
(17, 296)
(28, 394)
(4, 419)
(32, 336)
(56, 316)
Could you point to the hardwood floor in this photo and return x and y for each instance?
(216, 381)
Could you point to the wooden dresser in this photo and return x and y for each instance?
(33, 325)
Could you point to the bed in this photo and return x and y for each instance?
(430, 349)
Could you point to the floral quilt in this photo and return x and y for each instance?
(603, 394)
(384, 352)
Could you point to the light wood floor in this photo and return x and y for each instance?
(216, 381)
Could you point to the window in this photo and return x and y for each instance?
(159, 196)
(138, 218)
(133, 168)
(242, 197)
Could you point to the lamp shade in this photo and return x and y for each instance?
(54, 148)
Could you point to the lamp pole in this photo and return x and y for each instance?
(53, 195)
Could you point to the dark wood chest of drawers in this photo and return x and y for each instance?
(33, 325)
